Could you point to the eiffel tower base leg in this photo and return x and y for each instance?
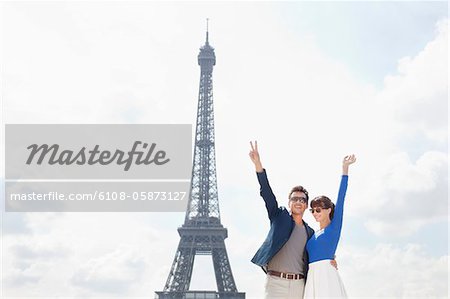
(200, 295)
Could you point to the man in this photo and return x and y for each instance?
(282, 256)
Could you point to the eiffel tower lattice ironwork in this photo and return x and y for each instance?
(202, 232)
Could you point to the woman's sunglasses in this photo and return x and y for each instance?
(317, 210)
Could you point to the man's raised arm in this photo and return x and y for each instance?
(254, 156)
(265, 190)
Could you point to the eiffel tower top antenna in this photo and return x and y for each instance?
(207, 31)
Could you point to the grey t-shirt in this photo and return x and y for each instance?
(290, 257)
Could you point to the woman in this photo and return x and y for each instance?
(323, 279)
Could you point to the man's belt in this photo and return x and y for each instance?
(285, 275)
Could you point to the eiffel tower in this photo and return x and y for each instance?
(202, 232)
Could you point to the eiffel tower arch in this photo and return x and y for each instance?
(202, 232)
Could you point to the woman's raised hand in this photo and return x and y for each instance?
(350, 159)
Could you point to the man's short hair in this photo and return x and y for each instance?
(299, 189)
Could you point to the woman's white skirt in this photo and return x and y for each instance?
(323, 281)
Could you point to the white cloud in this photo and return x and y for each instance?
(393, 272)
(417, 95)
(413, 170)
(115, 273)
(89, 254)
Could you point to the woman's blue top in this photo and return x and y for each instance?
(322, 245)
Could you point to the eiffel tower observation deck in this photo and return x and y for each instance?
(202, 232)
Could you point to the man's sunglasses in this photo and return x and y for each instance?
(298, 199)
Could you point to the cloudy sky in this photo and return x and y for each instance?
(311, 81)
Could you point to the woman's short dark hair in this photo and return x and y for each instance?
(324, 203)
(299, 189)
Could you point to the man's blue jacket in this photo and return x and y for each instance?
(281, 226)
